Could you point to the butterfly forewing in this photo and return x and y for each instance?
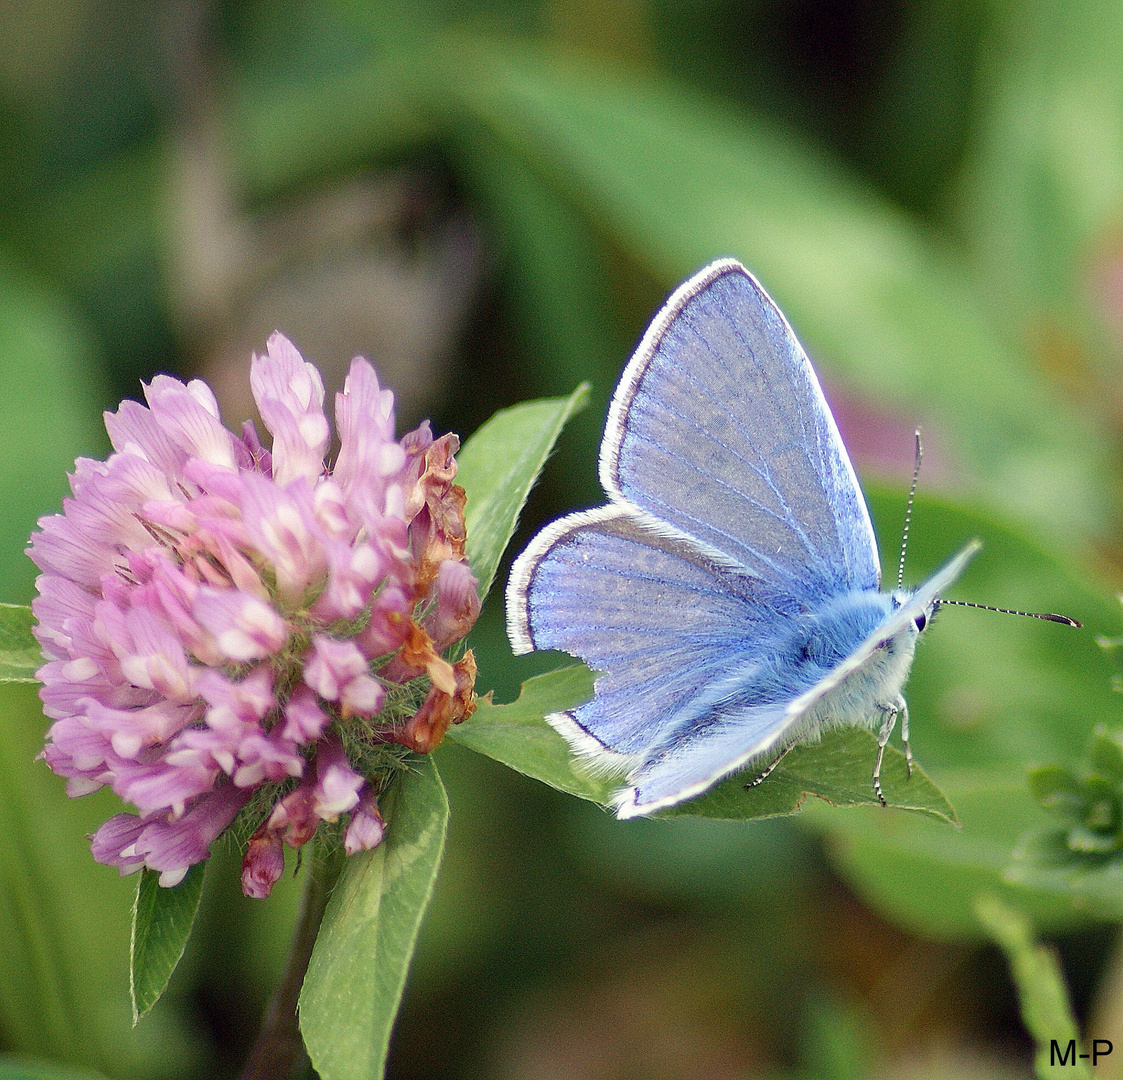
(719, 430)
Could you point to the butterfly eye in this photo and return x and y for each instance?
(921, 621)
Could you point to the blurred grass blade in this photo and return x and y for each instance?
(387, 107)
(678, 181)
(48, 382)
(1046, 1011)
(64, 944)
(358, 968)
(1041, 189)
(12, 1068)
(20, 655)
(162, 922)
(838, 1039)
(570, 321)
(498, 466)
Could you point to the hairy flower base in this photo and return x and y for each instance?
(239, 632)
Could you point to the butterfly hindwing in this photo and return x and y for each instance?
(663, 622)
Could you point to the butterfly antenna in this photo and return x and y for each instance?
(908, 511)
(1007, 611)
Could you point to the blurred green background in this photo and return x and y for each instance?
(490, 199)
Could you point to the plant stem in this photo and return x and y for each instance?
(278, 1046)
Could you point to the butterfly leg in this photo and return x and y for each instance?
(903, 706)
(887, 726)
(768, 772)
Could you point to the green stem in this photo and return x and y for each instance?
(279, 1047)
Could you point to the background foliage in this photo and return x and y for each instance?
(490, 199)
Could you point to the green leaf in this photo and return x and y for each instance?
(518, 736)
(1042, 849)
(1045, 860)
(1046, 1011)
(1106, 754)
(20, 655)
(162, 922)
(837, 770)
(497, 468)
(926, 877)
(358, 967)
(1085, 841)
(1058, 790)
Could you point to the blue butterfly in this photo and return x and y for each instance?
(730, 590)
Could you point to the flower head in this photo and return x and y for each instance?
(233, 629)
